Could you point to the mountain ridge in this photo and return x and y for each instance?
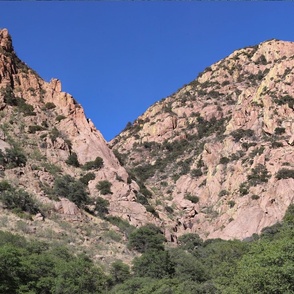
(200, 160)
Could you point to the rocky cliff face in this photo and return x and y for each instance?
(218, 155)
(215, 158)
(44, 125)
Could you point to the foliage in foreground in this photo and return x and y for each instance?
(264, 264)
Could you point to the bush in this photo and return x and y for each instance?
(19, 200)
(146, 238)
(12, 158)
(193, 199)
(255, 197)
(279, 131)
(66, 186)
(285, 173)
(258, 175)
(101, 206)
(104, 187)
(240, 133)
(73, 160)
(34, 129)
(231, 203)
(49, 105)
(59, 118)
(122, 224)
(54, 134)
(244, 188)
(190, 242)
(96, 164)
(224, 160)
(87, 178)
(4, 185)
(119, 272)
(196, 172)
(223, 193)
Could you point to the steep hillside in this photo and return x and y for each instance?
(57, 172)
(218, 156)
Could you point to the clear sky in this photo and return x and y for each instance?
(118, 58)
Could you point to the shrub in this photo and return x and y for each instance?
(146, 238)
(169, 209)
(279, 131)
(193, 199)
(73, 160)
(66, 186)
(19, 200)
(152, 210)
(119, 272)
(101, 206)
(258, 175)
(240, 133)
(244, 188)
(122, 224)
(255, 197)
(196, 172)
(12, 158)
(12, 100)
(49, 105)
(59, 118)
(54, 134)
(4, 185)
(190, 242)
(87, 178)
(285, 173)
(231, 203)
(34, 129)
(104, 187)
(223, 193)
(96, 164)
(224, 160)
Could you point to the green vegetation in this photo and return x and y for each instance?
(33, 267)
(17, 200)
(258, 175)
(285, 173)
(66, 186)
(35, 128)
(20, 103)
(104, 187)
(241, 133)
(12, 158)
(49, 105)
(73, 160)
(87, 178)
(101, 206)
(192, 198)
(60, 117)
(96, 164)
(260, 264)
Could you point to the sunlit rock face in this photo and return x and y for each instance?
(212, 152)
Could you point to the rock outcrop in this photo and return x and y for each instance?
(212, 151)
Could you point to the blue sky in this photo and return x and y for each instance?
(118, 58)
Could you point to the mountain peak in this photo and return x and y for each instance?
(5, 40)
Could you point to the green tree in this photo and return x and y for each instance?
(154, 264)
(267, 268)
(73, 160)
(146, 238)
(119, 272)
(66, 186)
(104, 187)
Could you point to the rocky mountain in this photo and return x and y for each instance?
(217, 156)
(50, 150)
